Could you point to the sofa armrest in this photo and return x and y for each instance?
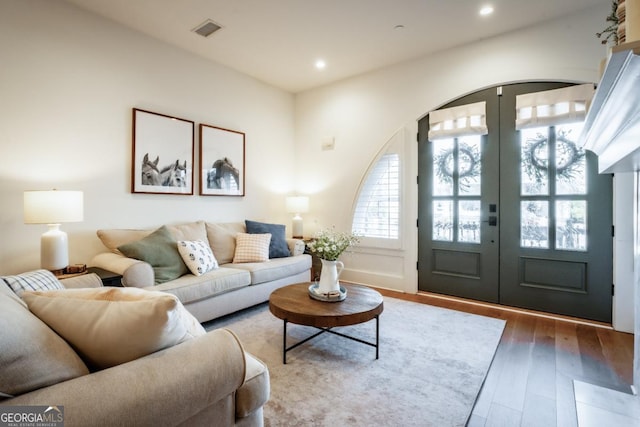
(134, 272)
(165, 388)
(296, 246)
(90, 280)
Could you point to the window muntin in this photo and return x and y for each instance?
(553, 188)
(457, 184)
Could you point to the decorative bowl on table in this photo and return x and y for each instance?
(314, 292)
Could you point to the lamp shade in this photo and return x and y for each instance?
(297, 204)
(53, 207)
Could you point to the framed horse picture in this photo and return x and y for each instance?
(221, 161)
(163, 149)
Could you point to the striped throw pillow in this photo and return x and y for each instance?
(252, 247)
(37, 280)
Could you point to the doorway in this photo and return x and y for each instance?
(515, 217)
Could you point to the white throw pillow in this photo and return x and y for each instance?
(38, 280)
(197, 255)
(252, 247)
(109, 326)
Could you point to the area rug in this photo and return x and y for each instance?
(432, 364)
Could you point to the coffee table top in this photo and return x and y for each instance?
(293, 304)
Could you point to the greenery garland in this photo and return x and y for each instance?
(611, 32)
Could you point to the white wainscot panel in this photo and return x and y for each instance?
(383, 269)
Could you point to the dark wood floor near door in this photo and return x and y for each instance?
(530, 382)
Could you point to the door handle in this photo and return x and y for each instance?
(493, 220)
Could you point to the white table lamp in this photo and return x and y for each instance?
(297, 205)
(53, 207)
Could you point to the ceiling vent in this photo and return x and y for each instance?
(207, 28)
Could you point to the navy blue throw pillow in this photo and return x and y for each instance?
(278, 247)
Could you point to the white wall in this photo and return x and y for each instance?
(68, 82)
(362, 113)
(623, 252)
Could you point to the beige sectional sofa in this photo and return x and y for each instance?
(205, 380)
(226, 289)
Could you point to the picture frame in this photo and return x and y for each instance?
(222, 161)
(163, 154)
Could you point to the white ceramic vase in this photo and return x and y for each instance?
(329, 276)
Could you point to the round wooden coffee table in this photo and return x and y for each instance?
(293, 304)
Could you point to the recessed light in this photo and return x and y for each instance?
(399, 27)
(486, 10)
(320, 64)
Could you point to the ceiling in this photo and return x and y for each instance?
(279, 41)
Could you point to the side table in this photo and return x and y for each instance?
(316, 265)
(109, 278)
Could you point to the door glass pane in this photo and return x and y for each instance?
(469, 221)
(571, 225)
(534, 220)
(443, 167)
(534, 161)
(443, 220)
(469, 165)
(570, 161)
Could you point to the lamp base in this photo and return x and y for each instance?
(296, 230)
(54, 249)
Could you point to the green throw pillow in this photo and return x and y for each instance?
(160, 249)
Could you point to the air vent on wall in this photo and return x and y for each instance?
(207, 28)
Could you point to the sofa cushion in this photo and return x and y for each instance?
(32, 355)
(222, 239)
(197, 256)
(189, 288)
(254, 392)
(112, 238)
(189, 231)
(252, 248)
(275, 269)
(278, 247)
(160, 249)
(110, 326)
(37, 280)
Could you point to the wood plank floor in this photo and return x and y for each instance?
(530, 382)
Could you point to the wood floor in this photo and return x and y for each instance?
(530, 382)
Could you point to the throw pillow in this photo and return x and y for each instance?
(38, 280)
(252, 247)
(32, 355)
(109, 326)
(278, 248)
(197, 255)
(160, 250)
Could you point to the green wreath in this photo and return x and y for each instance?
(445, 165)
(537, 165)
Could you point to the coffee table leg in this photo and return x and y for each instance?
(284, 343)
(377, 335)
(323, 330)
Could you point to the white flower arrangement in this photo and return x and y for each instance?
(329, 244)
